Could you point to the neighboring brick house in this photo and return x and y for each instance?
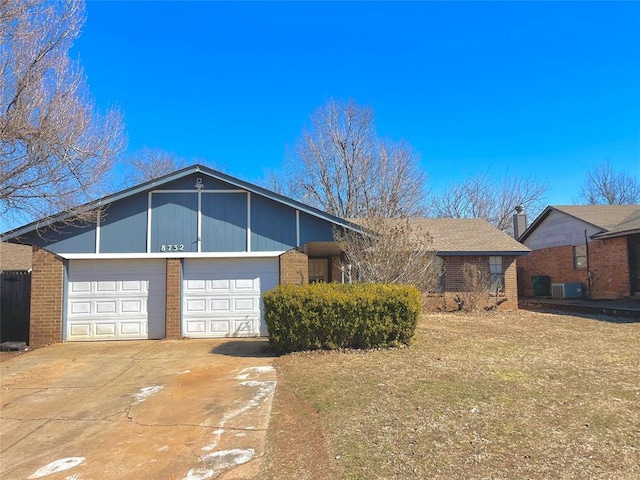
(597, 246)
(460, 241)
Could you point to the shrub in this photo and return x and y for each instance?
(333, 315)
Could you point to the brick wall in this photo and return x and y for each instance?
(608, 263)
(510, 268)
(454, 279)
(173, 303)
(47, 278)
(336, 273)
(294, 267)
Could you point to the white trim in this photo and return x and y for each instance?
(297, 228)
(114, 256)
(98, 230)
(248, 221)
(149, 223)
(199, 221)
(199, 191)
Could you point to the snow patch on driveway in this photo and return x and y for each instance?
(244, 373)
(217, 462)
(146, 392)
(57, 466)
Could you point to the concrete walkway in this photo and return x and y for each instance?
(184, 409)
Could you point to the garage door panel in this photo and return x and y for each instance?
(111, 300)
(222, 297)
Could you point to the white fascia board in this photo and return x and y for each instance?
(114, 256)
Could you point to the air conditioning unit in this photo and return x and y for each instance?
(566, 290)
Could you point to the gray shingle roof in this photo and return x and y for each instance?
(460, 236)
(468, 235)
(606, 217)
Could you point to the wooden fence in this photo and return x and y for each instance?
(15, 305)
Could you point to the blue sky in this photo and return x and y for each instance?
(542, 88)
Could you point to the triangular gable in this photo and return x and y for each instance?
(172, 177)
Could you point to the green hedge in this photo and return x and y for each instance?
(333, 315)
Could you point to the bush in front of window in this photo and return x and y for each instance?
(327, 316)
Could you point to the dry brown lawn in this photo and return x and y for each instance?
(518, 395)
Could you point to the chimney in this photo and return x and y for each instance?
(519, 222)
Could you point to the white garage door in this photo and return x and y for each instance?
(116, 300)
(222, 297)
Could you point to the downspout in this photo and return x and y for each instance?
(586, 246)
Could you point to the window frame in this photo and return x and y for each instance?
(579, 264)
(496, 274)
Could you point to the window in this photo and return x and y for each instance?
(497, 274)
(580, 256)
(318, 270)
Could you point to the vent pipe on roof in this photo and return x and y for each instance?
(519, 222)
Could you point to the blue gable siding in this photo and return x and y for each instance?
(123, 226)
(174, 221)
(273, 225)
(64, 238)
(224, 222)
(189, 183)
(314, 229)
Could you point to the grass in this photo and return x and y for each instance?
(501, 396)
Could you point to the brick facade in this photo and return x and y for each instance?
(47, 298)
(294, 267)
(454, 283)
(336, 272)
(608, 264)
(173, 299)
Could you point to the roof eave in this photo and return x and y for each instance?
(623, 233)
(475, 253)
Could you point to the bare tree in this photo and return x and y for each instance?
(391, 251)
(149, 163)
(56, 148)
(340, 165)
(604, 186)
(489, 197)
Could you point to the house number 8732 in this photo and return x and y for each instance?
(172, 248)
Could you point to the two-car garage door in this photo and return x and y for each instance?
(125, 299)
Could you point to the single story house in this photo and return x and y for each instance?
(189, 255)
(597, 246)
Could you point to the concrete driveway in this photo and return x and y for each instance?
(167, 409)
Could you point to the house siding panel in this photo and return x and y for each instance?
(123, 226)
(189, 183)
(313, 229)
(64, 239)
(224, 222)
(174, 221)
(559, 229)
(273, 226)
